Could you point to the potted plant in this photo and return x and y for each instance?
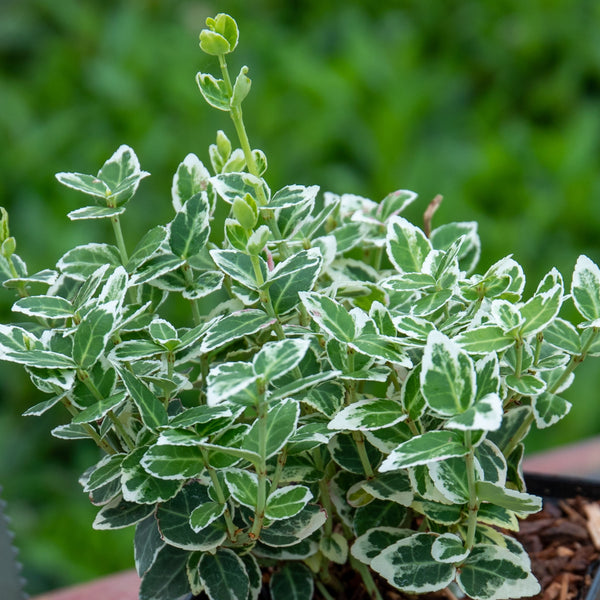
(347, 395)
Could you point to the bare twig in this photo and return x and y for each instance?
(429, 212)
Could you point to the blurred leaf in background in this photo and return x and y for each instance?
(496, 105)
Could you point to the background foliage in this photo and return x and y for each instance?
(494, 105)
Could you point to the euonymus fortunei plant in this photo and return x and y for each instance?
(346, 391)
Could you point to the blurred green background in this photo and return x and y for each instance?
(493, 104)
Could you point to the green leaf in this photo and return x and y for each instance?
(224, 575)
(200, 414)
(134, 350)
(293, 581)
(174, 521)
(344, 453)
(394, 486)
(287, 502)
(141, 487)
(485, 415)
(100, 409)
(334, 547)
(444, 236)
(563, 335)
(243, 486)
(227, 379)
(191, 178)
(282, 419)
(275, 359)
(327, 398)
(331, 316)
(410, 567)
(447, 376)
(293, 195)
(382, 347)
(233, 327)
(173, 462)
(291, 389)
(121, 173)
(239, 267)
(492, 572)
(422, 449)
(366, 415)
(413, 327)
(155, 267)
(541, 310)
(166, 578)
(205, 514)
(484, 339)
(88, 184)
(147, 544)
(151, 409)
(95, 212)
(82, 261)
(449, 548)
(519, 502)
(373, 541)
(585, 288)
(92, 335)
(548, 409)
(43, 359)
(296, 274)
(289, 532)
(46, 307)
(450, 478)
(526, 385)
(106, 470)
(214, 91)
(119, 513)
(146, 247)
(190, 228)
(406, 245)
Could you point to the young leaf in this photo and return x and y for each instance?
(407, 246)
(549, 409)
(88, 184)
(296, 274)
(227, 379)
(585, 288)
(449, 548)
(331, 317)
(95, 212)
(233, 327)
(484, 339)
(190, 227)
(205, 514)
(81, 262)
(289, 532)
(373, 541)
(92, 335)
(173, 462)
(394, 486)
(447, 376)
(450, 478)
(213, 90)
(293, 195)
(541, 310)
(191, 178)
(519, 502)
(485, 415)
(239, 267)
(151, 409)
(293, 581)
(334, 547)
(275, 359)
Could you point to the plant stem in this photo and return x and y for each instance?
(189, 278)
(323, 590)
(103, 445)
(281, 460)
(231, 528)
(261, 496)
(473, 499)
(116, 223)
(367, 578)
(359, 440)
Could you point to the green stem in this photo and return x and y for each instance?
(367, 578)
(102, 444)
(261, 496)
(128, 442)
(519, 357)
(231, 528)
(528, 420)
(281, 460)
(473, 499)
(116, 223)
(323, 590)
(359, 440)
(189, 278)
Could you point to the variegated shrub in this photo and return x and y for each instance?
(346, 390)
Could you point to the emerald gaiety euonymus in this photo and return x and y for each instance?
(347, 390)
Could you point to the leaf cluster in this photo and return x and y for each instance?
(356, 394)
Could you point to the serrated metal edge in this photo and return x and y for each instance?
(13, 584)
